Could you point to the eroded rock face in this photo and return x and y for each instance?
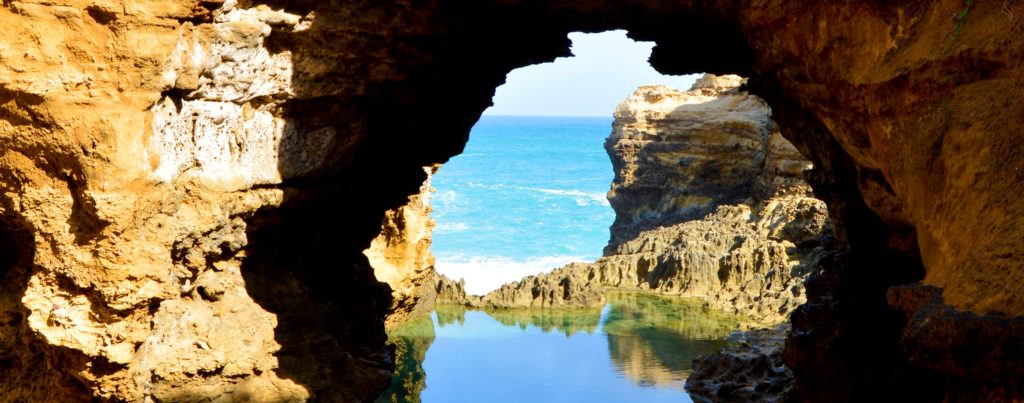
(567, 286)
(733, 258)
(710, 201)
(138, 146)
(907, 116)
(401, 257)
(727, 258)
(453, 292)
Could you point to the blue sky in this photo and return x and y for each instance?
(607, 68)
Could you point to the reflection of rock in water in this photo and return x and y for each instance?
(653, 340)
(448, 314)
(566, 321)
(411, 340)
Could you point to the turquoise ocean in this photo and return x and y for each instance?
(527, 195)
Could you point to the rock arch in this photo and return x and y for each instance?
(910, 118)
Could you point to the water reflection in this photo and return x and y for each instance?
(411, 341)
(450, 315)
(556, 355)
(565, 321)
(652, 340)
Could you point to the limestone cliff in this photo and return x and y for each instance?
(253, 149)
(679, 154)
(564, 287)
(729, 258)
(737, 226)
(401, 257)
(145, 149)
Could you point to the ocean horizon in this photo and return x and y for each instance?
(527, 195)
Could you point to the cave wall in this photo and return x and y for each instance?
(400, 257)
(191, 169)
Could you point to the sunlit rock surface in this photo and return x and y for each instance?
(142, 147)
(453, 292)
(568, 286)
(727, 258)
(679, 154)
(401, 257)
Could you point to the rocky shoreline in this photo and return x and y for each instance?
(710, 203)
(737, 227)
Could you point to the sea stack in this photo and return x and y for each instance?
(678, 155)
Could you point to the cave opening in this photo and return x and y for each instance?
(529, 194)
(529, 191)
(907, 116)
(447, 81)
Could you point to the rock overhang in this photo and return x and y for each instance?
(908, 128)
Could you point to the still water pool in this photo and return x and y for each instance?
(637, 348)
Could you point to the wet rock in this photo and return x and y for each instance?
(749, 368)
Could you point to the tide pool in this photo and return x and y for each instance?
(528, 194)
(638, 347)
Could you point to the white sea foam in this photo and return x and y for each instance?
(582, 198)
(486, 274)
(450, 227)
(446, 196)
